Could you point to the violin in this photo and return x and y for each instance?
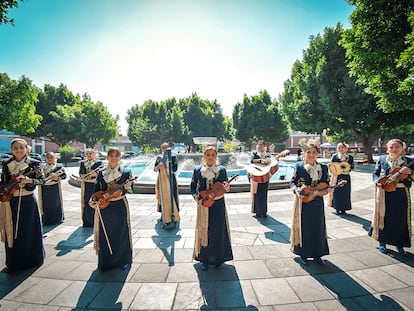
(309, 193)
(6, 191)
(389, 182)
(217, 189)
(114, 191)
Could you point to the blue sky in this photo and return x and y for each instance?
(125, 52)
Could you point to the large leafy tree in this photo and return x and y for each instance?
(257, 117)
(321, 95)
(380, 49)
(49, 99)
(86, 122)
(17, 105)
(175, 121)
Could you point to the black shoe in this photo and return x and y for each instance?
(125, 266)
(383, 249)
(204, 266)
(402, 252)
(344, 213)
(304, 261)
(320, 261)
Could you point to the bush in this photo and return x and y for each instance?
(66, 153)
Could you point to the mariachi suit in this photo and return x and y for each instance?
(23, 239)
(115, 219)
(87, 189)
(397, 220)
(218, 248)
(311, 218)
(259, 194)
(342, 195)
(50, 195)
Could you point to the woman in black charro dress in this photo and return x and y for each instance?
(308, 234)
(391, 223)
(112, 227)
(212, 244)
(50, 192)
(20, 225)
(340, 199)
(88, 172)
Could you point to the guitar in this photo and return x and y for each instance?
(389, 182)
(338, 168)
(217, 189)
(114, 191)
(309, 193)
(6, 191)
(261, 173)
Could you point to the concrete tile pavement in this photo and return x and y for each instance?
(264, 274)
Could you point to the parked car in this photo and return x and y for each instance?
(36, 156)
(4, 157)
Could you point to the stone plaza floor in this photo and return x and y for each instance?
(264, 274)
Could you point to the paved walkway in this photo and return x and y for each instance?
(264, 275)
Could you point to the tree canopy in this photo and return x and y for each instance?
(17, 105)
(257, 117)
(321, 95)
(380, 50)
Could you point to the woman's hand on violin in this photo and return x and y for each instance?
(226, 186)
(128, 185)
(406, 170)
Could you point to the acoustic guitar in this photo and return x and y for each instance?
(114, 191)
(338, 168)
(310, 193)
(261, 173)
(217, 189)
(6, 191)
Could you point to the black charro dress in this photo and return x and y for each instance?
(342, 195)
(313, 226)
(50, 195)
(397, 219)
(116, 221)
(87, 189)
(26, 247)
(218, 249)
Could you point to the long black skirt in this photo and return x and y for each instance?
(396, 224)
(314, 242)
(27, 250)
(260, 199)
(51, 204)
(342, 195)
(88, 212)
(117, 225)
(218, 249)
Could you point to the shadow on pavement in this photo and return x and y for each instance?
(165, 240)
(221, 288)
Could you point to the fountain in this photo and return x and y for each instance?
(235, 163)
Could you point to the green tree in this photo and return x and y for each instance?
(49, 99)
(380, 49)
(86, 122)
(258, 117)
(5, 6)
(66, 153)
(17, 105)
(321, 95)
